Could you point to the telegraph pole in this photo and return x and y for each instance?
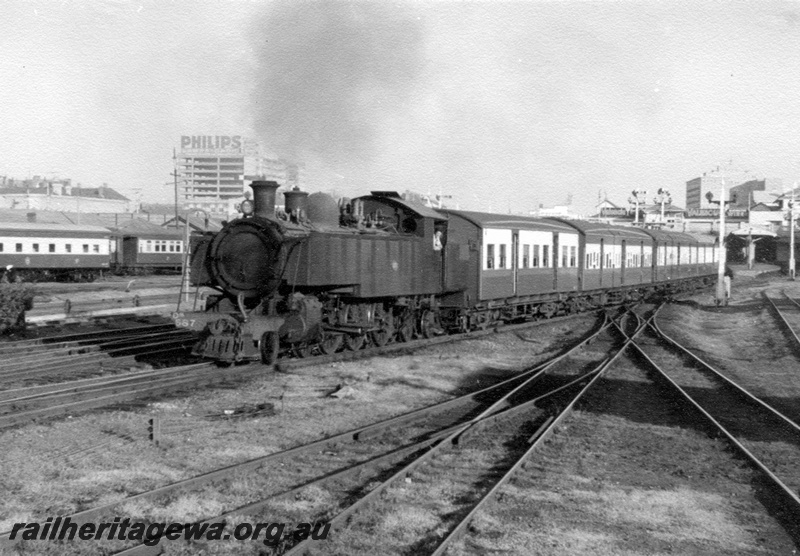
(175, 176)
(791, 235)
(721, 299)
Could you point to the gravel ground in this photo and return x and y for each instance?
(629, 473)
(46, 477)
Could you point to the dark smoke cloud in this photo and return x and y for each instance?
(328, 73)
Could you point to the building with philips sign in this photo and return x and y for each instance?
(212, 171)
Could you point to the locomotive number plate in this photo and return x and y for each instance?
(181, 321)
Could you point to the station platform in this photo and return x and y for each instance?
(741, 270)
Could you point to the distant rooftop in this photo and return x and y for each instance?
(66, 191)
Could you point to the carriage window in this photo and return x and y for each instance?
(490, 256)
(148, 246)
(1, 247)
(526, 256)
(502, 263)
(96, 248)
(52, 247)
(68, 247)
(35, 247)
(573, 256)
(545, 255)
(535, 256)
(19, 248)
(85, 247)
(564, 255)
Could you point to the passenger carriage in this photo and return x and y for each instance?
(49, 250)
(612, 256)
(519, 264)
(145, 247)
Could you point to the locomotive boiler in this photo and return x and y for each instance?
(317, 276)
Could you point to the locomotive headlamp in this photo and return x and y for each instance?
(247, 207)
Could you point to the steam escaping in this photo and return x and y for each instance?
(329, 74)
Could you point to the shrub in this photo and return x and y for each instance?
(15, 299)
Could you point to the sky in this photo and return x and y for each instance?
(501, 105)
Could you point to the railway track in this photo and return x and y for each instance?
(24, 405)
(390, 441)
(86, 354)
(765, 437)
(379, 448)
(768, 440)
(486, 436)
(787, 309)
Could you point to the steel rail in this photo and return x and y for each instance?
(727, 381)
(394, 456)
(87, 355)
(788, 327)
(353, 435)
(539, 437)
(286, 364)
(47, 391)
(74, 352)
(48, 340)
(110, 395)
(790, 497)
(57, 386)
(792, 299)
(344, 515)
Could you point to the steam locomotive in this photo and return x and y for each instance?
(322, 276)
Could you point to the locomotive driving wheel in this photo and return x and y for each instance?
(385, 320)
(330, 343)
(355, 342)
(353, 314)
(481, 320)
(405, 326)
(268, 347)
(428, 324)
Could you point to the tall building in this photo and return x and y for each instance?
(214, 169)
(697, 188)
(742, 196)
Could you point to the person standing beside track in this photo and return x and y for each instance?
(726, 280)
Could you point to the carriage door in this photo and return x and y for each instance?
(514, 258)
(602, 260)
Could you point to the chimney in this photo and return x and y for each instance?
(296, 200)
(264, 198)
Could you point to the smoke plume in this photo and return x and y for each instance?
(329, 74)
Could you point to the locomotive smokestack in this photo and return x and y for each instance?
(264, 198)
(296, 199)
